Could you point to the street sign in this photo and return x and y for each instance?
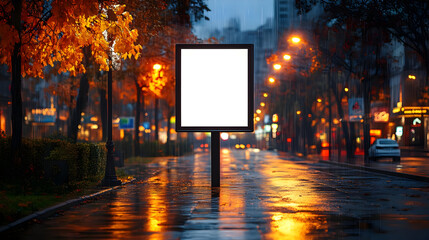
(356, 109)
(126, 123)
(214, 87)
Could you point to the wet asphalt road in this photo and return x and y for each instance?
(262, 196)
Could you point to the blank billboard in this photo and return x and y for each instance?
(214, 87)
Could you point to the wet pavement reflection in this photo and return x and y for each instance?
(262, 196)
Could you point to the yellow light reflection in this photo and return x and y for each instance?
(265, 95)
(157, 203)
(293, 202)
(271, 80)
(277, 66)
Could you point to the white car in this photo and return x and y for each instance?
(385, 147)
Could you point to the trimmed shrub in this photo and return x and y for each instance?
(54, 160)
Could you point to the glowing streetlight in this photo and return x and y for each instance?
(411, 77)
(265, 94)
(346, 89)
(296, 39)
(157, 66)
(287, 57)
(258, 111)
(298, 112)
(277, 66)
(271, 80)
(319, 100)
(262, 104)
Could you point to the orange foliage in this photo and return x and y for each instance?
(60, 39)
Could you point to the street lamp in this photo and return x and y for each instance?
(277, 66)
(296, 39)
(272, 80)
(110, 178)
(287, 57)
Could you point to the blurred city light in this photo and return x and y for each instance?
(296, 39)
(346, 89)
(411, 77)
(277, 66)
(275, 118)
(287, 57)
(265, 95)
(157, 66)
(224, 136)
(271, 80)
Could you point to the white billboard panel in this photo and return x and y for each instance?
(214, 87)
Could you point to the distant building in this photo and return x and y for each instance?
(410, 110)
(286, 18)
(262, 38)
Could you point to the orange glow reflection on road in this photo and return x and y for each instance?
(293, 201)
(157, 203)
(231, 200)
(120, 224)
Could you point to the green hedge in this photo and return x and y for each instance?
(54, 160)
(153, 148)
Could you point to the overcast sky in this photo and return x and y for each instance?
(252, 13)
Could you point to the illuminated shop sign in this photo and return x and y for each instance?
(399, 131)
(375, 132)
(44, 115)
(411, 110)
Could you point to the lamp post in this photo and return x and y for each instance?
(110, 178)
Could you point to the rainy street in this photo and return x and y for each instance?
(262, 196)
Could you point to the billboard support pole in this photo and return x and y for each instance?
(215, 159)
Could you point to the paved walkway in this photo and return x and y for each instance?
(262, 196)
(413, 162)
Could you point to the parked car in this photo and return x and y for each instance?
(385, 147)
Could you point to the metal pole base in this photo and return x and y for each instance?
(215, 159)
(110, 178)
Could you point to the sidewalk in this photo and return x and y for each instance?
(262, 196)
(414, 163)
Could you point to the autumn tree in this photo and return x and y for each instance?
(35, 34)
(163, 24)
(295, 66)
(405, 21)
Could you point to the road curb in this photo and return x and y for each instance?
(61, 206)
(376, 170)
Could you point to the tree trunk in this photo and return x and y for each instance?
(82, 99)
(156, 119)
(170, 114)
(16, 87)
(343, 123)
(103, 113)
(137, 131)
